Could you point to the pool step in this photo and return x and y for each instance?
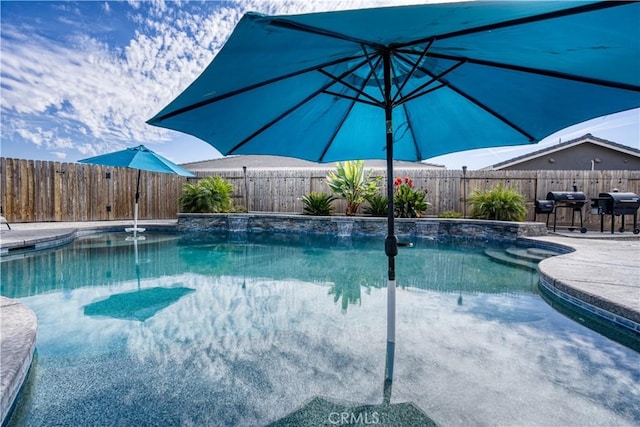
(519, 257)
(529, 254)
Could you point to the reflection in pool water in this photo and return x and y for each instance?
(269, 325)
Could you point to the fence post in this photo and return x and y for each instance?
(464, 191)
(246, 188)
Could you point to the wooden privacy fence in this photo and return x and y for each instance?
(39, 191)
(280, 190)
(36, 191)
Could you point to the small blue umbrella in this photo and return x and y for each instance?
(411, 83)
(136, 305)
(140, 158)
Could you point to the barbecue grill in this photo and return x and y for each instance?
(573, 200)
(544, 206)
(617, 204)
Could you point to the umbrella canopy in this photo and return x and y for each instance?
(410, 83)
(461, 76)
(137, 305)
(141, 304)
(140, 158)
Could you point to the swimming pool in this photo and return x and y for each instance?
(244, 330)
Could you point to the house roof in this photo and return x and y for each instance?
(587, 138)
(279, 162)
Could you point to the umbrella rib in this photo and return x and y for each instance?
(359, 91)
(335, 132)
(353, 98)
(414, 67)
(341, 80)
(410, 126)
(344, 117)
(296, 26)
(286, 23)
(417, 92)
(373, 68)
(479, 104)
(542, 72)
(244, 89)
(408, 98)
(493, 112)
(520, 21)
(315, 93)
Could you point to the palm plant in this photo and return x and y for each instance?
(208, 195)
(354, 184)
(377, 205)
(348, 291)
(498, 203)
(316, 203)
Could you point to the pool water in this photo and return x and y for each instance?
(212, 330)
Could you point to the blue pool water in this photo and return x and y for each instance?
(201, 330)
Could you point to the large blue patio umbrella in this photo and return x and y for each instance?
(411, 83)
(140, 158)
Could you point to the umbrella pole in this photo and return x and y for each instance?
(135, 206)
(135, 228)
(391, 242)
(135, 251)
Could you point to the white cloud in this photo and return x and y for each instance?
(89, 90)
(61, 143)
(88, 150)
(59, 154)
(31, 136)
(135, 4)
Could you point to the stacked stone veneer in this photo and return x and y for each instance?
(343, 226)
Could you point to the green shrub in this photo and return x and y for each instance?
(377, 205)
(408, 202)
(449, 214)
(498, 203)
(351, 182)
(316, 203)
(208, 195)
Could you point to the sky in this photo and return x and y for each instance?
(78, 79)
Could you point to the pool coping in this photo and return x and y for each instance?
(568, 276)
(603, 280)
(17, 346)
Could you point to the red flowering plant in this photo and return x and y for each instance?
(409, 201)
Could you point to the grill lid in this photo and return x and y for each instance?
(621, 198)
(544, 206)
(566, 196)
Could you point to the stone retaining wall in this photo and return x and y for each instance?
(361, 226)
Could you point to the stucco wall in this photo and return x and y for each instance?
(579, 158)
